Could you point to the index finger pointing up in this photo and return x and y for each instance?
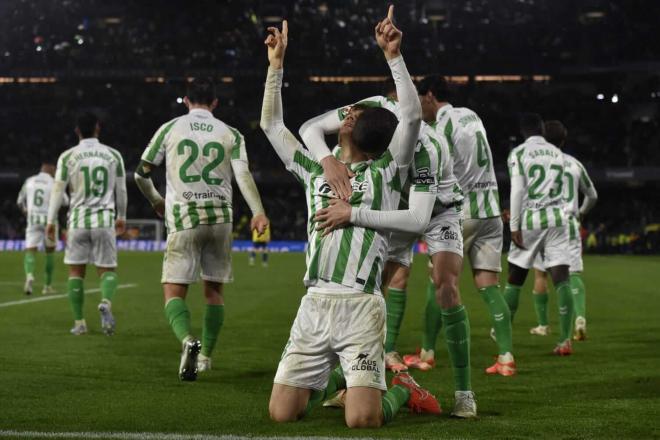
(285, 29)
(390, 12)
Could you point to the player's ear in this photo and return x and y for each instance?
(77, 131)
(214, 104)
(186, 101)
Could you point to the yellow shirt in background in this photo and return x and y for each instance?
(261, 238)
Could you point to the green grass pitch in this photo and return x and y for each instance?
(52, 381)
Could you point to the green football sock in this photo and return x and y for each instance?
(512, 295)
(178, 316)
(541, 307)
(457, 335)
(214, 316)
(432, 319)
(50, 266)
(565, 310)
(108, 285)
(336, 382)
(500, 317)
(28, 263)
(395, 304)
(579, 295)
(76, 294)
(393, 400)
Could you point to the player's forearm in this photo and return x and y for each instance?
(313, 133)
(146, 187)
(517, 192)
(247, 186)
(407, 131)
(121, 197)
(588, 203)
(55, 201)
(283, 141)
(413, 220)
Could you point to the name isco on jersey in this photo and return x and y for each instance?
(189, 195)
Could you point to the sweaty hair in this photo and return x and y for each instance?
(437, 85)
(373, 130)
(531, 124)
(555, 133)
(86, 124)
(201, 91)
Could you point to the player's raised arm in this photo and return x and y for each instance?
(402, 146)
(272, 119)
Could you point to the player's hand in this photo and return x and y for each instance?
(337, 216)
(50, 232)
(389, 36)
(516, 238)
(276, 43)
(159, 207)
(338, 176)
(506, 216)
(120, 227)
(259, 223)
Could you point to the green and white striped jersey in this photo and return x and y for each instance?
(91, 170)
(353, 256)
(541, 166)
(432, 169)
(473, 161)
(198, 150)
(576, 181)
(35, 196)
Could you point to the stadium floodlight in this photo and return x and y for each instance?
(179, 100)
(615, 98)
(600, 97)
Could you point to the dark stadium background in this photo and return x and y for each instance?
(593, 64)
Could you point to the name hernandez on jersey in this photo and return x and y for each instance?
(473, 160)
(541, 166)
(197, 149)
(91, 170)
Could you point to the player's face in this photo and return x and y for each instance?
(349, 121)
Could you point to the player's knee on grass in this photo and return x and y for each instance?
(287, 403)
(363, 407)
(559, 274)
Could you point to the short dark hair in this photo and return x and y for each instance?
(531, 124)
(437, 85)
(201, 91)
(373, 130)
(86, 124)
(555, 133)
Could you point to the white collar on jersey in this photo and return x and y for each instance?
(89, 141)
(442, 110)
(200, 111)
(535, 138)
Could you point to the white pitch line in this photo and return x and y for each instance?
(62, 295)
(148, 436)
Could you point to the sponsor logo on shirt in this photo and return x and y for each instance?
(447, 234)
(190, 195)
(423, 177)
(362, 363)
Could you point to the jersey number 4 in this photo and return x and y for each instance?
(188, 144)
